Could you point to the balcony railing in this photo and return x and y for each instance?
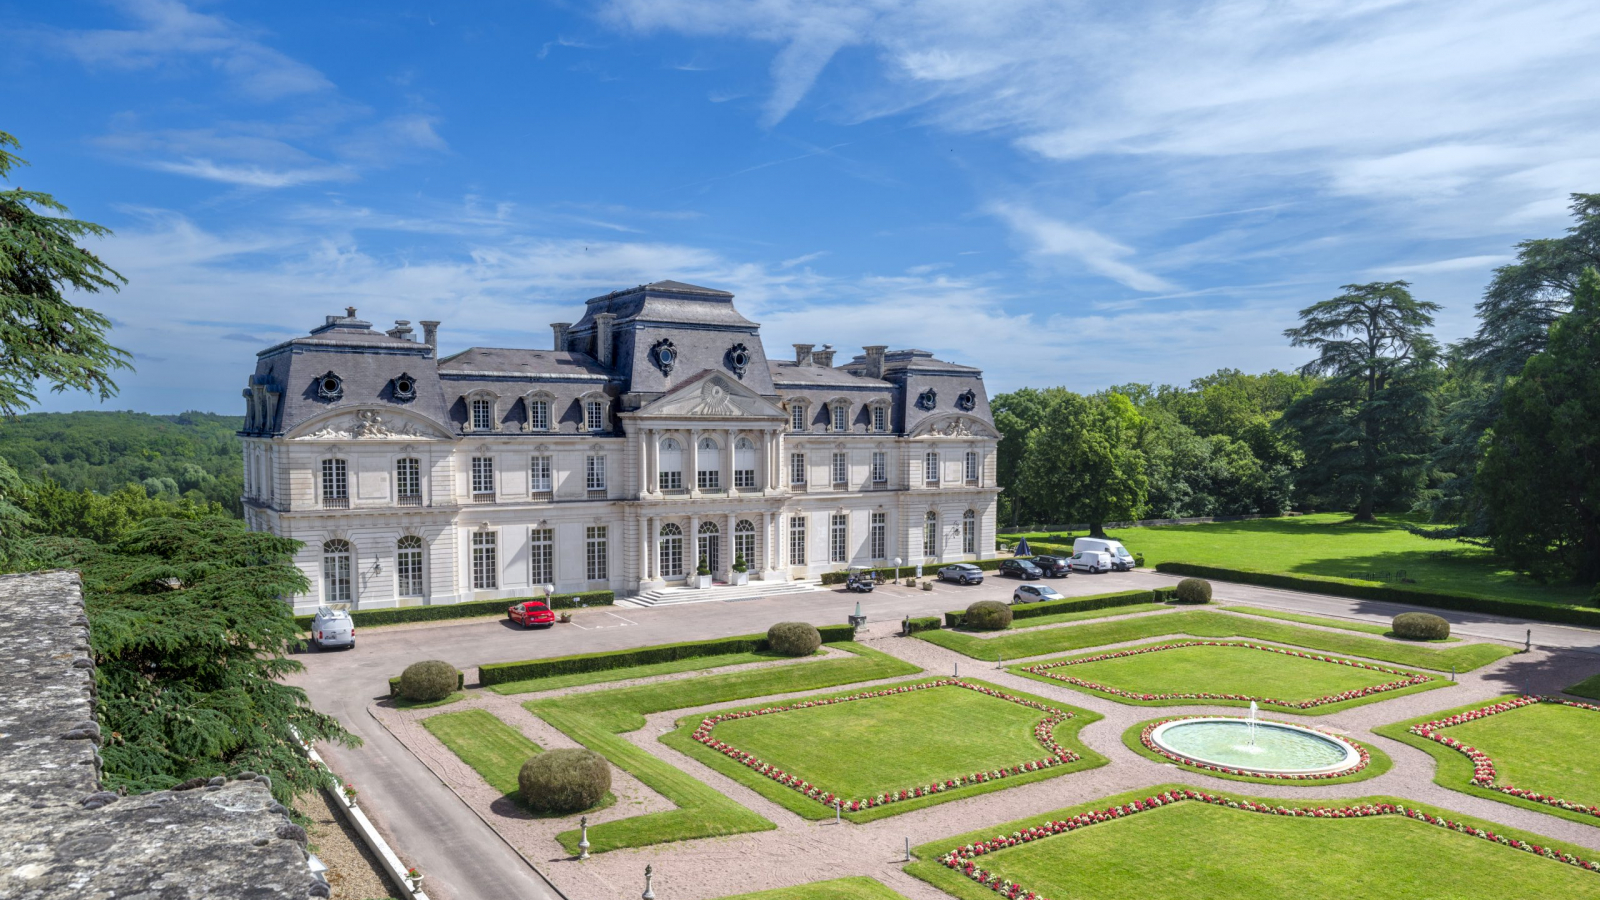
(408, 500)
(483, 496)
(335, 502)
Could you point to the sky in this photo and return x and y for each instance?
(1060, 193)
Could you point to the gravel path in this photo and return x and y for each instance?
(801, 850)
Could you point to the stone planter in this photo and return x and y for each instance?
(739, 578)
(699, 581)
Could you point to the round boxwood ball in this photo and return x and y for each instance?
(794, 638)
(564, 781)
(1420, 626)
(1193, 590)
(424, 682)
(987, 615)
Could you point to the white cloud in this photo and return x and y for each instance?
(1455, 264)
(1049, 239)
(251, 176)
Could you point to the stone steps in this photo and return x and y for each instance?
(672, 596)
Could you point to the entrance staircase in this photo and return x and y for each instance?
(727, 593)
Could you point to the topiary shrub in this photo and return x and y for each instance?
(987, 615)
(424, 682)
(564, 781)
(1193, 590)
(1419, 626)
(793, 638)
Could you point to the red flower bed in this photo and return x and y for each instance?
(961, 859)
(1483, 772)
(1044, 732)
(1410, 679)
(1150, 744)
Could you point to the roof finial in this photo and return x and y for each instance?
(350, 312)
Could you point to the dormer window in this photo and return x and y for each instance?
(330, 387)
(880, 417)
(594, 415)
(839, 415)
(797, 416)
(405, 388)
(482, 414)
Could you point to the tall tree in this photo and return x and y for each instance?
(1541, 474)
(1082, 464)
(1016, 415)
(1366, 429)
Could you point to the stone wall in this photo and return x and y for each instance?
(62, 836)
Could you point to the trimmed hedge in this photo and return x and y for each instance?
(952, 619)
(568, 780)
(398, 614)
(500, 673)
(794, 638)
(1192, 590)
(923, 623)
(1364, 590)
(987, 615)
(394, 684)
(1415, 626)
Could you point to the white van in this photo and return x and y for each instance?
(1095, 561)
(332, 628)
(1121, 559)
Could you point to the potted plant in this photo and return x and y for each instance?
(702, 574)
(741, 570)
(414, 879)
(564, 617)
(349, 793)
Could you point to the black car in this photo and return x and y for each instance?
(1052, 566)
(1020, 568)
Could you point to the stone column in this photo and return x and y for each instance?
(727, 549)
(766, 539)
(727, 462)
(653, 469)
(692, 562)
(647, 546)
(693, 475)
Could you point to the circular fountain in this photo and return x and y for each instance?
(1270, 748)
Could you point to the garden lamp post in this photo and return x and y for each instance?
(583, 842)
(897, 568)
(648, 893)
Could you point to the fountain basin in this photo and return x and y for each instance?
(1278, 749)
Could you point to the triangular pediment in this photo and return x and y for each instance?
(710, 395)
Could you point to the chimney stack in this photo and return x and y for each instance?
(824, 357)
(560, 330)
(430, 333)
(602, 337)
(802, 354)
(875, 359)
(401, 330)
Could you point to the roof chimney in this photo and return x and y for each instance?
(349, 312)
(824, 357)
(875, 360)
(602, 337)
(401, 330)
(802, 354)
(560, 331)
(430, 333)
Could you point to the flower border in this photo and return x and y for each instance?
(1151, 745)
(961, 858)
(1412, 679)
(1044, 732)
(1483, 771)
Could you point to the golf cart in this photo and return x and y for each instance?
(861, 580)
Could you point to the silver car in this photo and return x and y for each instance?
(1034, 593)
(962, 573)
(332, 628)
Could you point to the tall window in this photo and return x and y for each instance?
(878, 537)
(972, 467)
(482, 415)
(542, 556)
(671, 550)
(744, 543)
(797, 540)
(538, 415)
(671, 457)
(841, 416)
(838, 537)
(595, 472)
(797, 417)
(880, 418)
(930, 535)
(485, 561)
(930, 467)
(969, 532)
(539, 480)
(797, 468)
(841, 467)
(595, 553)
(408, 481)
(708, 465)
(483, 479)
(336, 572)
(744, 463)
(335, 485)
(880, 467)
(594, 415)
(408, 566)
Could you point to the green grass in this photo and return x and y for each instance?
(1589, 687)
(1082, 614)
(403, 703)
(858, 888)
(1227, 670)
(493, 749)
(578, 679)
(1324, 621)
(872, 746)
(597, 720)
(1204, 623)
(1331, 545)
(1546, 748)
(1196, 850)
(1378, 762)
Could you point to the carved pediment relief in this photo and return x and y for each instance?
(715, 397)
(370, 424)
(956, 427)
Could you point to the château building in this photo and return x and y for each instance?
(656, 434)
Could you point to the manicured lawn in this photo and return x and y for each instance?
(1276, 679)
(1083, 614)
(1331, 545)
(492, 748)
(1378, 761)
(877, 745)
(577, 679)
(859, 888)
(403, 703)
(1589, 687)
(1205, 623)
(1324, 621)
(1196, 850)
(597, 720)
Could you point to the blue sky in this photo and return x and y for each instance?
(1060, 193)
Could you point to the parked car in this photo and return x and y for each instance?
(1020, 568)
(1034, 593)
(1052, 566)
(1095, 561)
(332, 628)
(962, 573)
(1121, 559)
(531, 614)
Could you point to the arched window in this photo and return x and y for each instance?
(671, 456)
(744, 543)
(336, 583)
(671, 550)
(969, 532)
(482, 414)
(744, 463)
(408, 566)
(708, 465)
(930, 535)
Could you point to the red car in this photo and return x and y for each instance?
(531, 614)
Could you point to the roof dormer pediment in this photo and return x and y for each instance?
(710, 395)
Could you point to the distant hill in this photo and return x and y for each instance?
(194, 454)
